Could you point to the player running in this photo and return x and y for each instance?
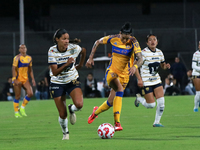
(196, 77)
(124, 46)
(153, 58)
(22, 65)
(65, 78)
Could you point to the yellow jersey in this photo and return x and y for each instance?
(22, 63)
(122, 53)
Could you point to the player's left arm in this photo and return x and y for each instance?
(138, 64)
(139, 59)
(90, 61)
(82, 58)
(30, 70)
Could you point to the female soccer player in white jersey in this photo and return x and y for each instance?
(196, 77)
(65, 78)
(152, 59)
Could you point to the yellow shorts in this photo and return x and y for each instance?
(22, 80)
(123, 78)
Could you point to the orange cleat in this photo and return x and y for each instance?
(118, 126)
(93, 116)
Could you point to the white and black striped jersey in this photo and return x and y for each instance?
(60, 58)
(149, 69)
(196, 63)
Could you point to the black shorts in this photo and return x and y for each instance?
(193, 77)
(150, 89)
(57, 90)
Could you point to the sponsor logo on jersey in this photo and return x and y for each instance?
(62, 58)
(54, 87)
(151, 79)
(153, 58)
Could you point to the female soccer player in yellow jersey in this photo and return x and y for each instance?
(124, 47)
(22, 65)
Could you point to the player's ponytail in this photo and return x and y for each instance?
(75, 41)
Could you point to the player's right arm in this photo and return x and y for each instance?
(90, 60)
(57, 70)
(14, 70)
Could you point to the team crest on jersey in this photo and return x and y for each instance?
(136, 45)
(72, 51)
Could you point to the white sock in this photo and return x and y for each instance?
(145, 104)
(159, 109)
(196, 99)
(141, 100)
(63, 124)
(73, 108)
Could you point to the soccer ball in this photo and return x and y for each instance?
(106, 131)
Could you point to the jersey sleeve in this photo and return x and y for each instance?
(51, 57)
(15, 61)
(79, 49)
(162, 57)
(106, 39)
(143, 55)
(195, 58)
(136, 46)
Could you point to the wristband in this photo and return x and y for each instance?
(136, 66)
(13, 78)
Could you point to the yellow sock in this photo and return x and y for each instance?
(105, 106)
(117, 106)
(16, 105)
(25, 101)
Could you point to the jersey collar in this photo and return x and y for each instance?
(151, 50)
(59, 50)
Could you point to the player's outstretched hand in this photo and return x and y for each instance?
(89, 63)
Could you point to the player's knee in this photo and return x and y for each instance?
(79, 105)
(30, 94)
(151, 105)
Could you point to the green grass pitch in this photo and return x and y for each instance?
(40, 130)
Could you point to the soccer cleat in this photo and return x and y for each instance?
(137, 103)
(196, 110)
(22, 111)
(17, 115)
(118, 126)
(65, 136)
(158, 125)
(72, 115)
(92, 116)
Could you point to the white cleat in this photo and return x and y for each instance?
(66, 136)
(72, 116)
